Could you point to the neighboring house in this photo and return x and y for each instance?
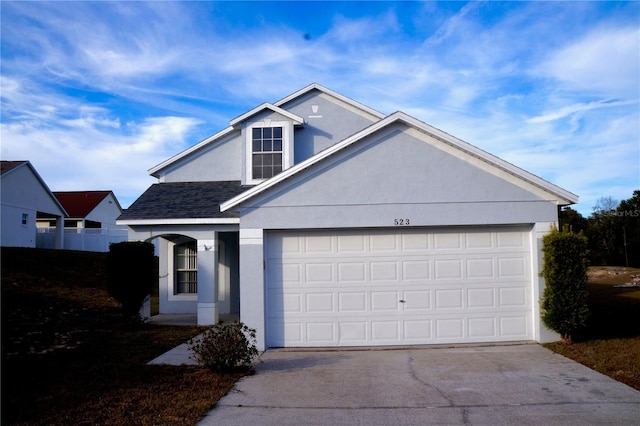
(24, 196)
(91, 224)
(326, 223)
(87, 210)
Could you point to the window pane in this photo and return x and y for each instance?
(257, 145)
(277, 132)
(257, 159)
(277, 159)
(267, 160)
(257, 172)
(277, 144)
(267, 145)
(277, 169)
(267, 132)
(256, 133)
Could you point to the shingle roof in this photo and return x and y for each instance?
(5, 166)
(184, 200)
(80, 203)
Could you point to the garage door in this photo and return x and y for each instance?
(397, 287)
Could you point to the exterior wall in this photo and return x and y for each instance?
(325, 125)
(13, 233)
(225, 159)
(106, 212)
(396, 176)
(23, 193)
(219, 161)
(252, 308)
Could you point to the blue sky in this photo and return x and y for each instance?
(96, 93)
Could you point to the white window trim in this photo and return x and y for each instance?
(171, 280)
(286, 147)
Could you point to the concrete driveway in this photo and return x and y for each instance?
(520, 384)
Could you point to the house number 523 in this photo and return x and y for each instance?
(401, 222)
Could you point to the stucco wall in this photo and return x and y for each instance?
(218, 161)
(225, 158)
(392, 176)
(106, 212)
(22, 193)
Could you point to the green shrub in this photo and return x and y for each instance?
(225, 346)
(130, 274)
(564, 302)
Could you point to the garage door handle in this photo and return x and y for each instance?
(402, 301)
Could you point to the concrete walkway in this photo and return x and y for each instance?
(497, 385)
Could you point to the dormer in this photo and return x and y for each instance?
(267, 135)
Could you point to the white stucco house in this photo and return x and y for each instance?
(326, 223)
(23, 196)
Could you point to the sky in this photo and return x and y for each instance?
(96, 93)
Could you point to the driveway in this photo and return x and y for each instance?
(519, 384)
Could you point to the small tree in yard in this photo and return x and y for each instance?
(225, 346)
(130, 274)
(565, 299)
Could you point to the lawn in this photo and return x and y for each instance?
(611, 342)
(68, 357)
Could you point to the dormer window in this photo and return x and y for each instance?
(267, 152)
(268, 149)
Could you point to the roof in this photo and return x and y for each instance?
(400, 117)
(7, 166)
(276, 107)
(81, 203)
(183, 202)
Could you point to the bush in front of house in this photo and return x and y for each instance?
(225, 346)
(564, 302)
(131, 274)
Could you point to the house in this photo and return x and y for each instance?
(87, 210)
(24, 196)
(326, 223)
(91, 224)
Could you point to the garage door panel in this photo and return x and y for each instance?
(320, 303)
(398, 286)
(385, 301)
(482, 328)
(481, 298)
(352, 302)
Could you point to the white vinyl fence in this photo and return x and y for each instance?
(81, 238)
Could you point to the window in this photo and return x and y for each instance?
(186, 261)
(25, 218)
(266, 152)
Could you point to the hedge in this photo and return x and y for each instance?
(564, 303)
(130, 274)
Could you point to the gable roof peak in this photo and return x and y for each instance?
(323, 89)
(297, 120)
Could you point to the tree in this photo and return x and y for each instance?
(564, 303)
(613, 230)
(572, 219)
(601, 233)
(628, 215)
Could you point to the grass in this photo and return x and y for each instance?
(70, 358)
(611, 342)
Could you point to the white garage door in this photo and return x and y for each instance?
(395, 287)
